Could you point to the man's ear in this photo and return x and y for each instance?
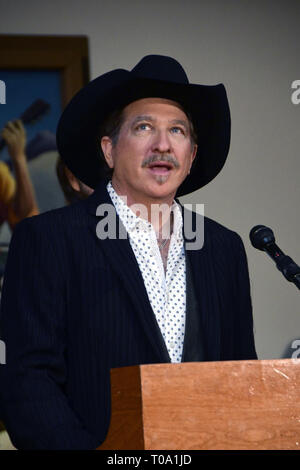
(72, 179)
(106, 145)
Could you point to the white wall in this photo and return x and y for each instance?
(253, 47)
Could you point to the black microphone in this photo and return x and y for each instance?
(263, 239)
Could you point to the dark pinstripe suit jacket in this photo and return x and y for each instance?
(74, 306)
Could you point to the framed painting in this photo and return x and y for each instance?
(38, 77)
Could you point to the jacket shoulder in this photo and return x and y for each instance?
(213, 231)
(223, 239)
(54, 219)
(212, 227)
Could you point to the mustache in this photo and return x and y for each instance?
(166, 157)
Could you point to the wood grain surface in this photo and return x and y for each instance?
(212, 405)
(126, 424)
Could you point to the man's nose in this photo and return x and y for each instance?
(161, 142)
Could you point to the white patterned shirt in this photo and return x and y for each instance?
(166, 291)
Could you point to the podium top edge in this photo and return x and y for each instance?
(293, 362)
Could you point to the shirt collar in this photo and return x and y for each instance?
(132, 223)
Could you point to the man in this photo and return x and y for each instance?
(17, 198)
(76, 302)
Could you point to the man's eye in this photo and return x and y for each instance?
(143, 127)
(177, 130)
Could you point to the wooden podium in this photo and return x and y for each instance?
(208, 405)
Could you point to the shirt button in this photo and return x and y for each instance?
(172, 345)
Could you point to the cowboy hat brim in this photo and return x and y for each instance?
(78, 128)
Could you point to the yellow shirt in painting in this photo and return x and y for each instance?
(7, 192)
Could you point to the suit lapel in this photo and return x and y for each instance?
(202, 335)
(120, 256)
(193, 346)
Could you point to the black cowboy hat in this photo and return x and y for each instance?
(154, 76)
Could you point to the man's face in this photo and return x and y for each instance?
(154, 151)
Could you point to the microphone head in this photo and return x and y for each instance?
(261, 236)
